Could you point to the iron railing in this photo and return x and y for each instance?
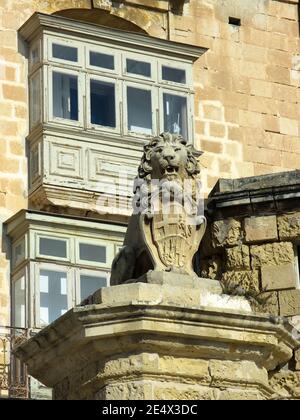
(14, 380)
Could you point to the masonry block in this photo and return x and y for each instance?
(289, 302)
(278, 277)
(278, 253)
(226, 232)
(260, 229)
(289, 226)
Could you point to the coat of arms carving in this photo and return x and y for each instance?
(167, 223)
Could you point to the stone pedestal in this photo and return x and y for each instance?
(160, 340)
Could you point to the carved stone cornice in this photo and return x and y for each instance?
(272, 193)
(175, 6)
(80, 202)
(114, 341)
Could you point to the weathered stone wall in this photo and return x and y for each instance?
(249, 258)
(251, 247)
(239, 255)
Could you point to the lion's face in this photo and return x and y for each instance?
(168, 160)
(168, 157)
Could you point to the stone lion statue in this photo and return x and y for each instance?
(166, 227)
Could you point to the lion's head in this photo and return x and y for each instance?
(168, 157)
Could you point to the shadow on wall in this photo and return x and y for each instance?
(100, 17)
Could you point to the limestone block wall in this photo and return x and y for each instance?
(253, 239)
(259, 260)
(252, 246)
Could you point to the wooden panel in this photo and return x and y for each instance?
(66, 161)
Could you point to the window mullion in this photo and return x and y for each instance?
(85, 106)
(36, 298)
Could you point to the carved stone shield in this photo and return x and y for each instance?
(174, 237)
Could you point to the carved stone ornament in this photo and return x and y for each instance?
(166, 226)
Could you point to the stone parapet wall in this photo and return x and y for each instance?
(256, 250)
(256, 253)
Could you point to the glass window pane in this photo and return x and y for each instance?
(105, 61)
(96, 253)
(103, 108)
(64, 52)
(89, 285)
(65, 96)
(175, 114)
(35, 96)
(139, 110)
(173, 75)
(35, 55)
(138, 67)
(19, 303)
(53, 295)
(18, 252)
(53, 247)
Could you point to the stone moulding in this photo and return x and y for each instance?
(267, 193)
(40, 21)
(102, 349)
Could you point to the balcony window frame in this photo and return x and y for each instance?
(65, 42)
(118, 119)
(53, 236)
(44, 30)
(16, 263)
(142, 58)
(102, 70)
(168, 90)
(154, 105)
(80, 82)
(36, 73)
(19, 274)
(38, 266)
(88, 272)
(29, 226)
(39, 46)
(87, 263)
(177, 66)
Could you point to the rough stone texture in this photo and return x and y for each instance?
(289, 302)
(274, 260)
(272, 254)
(211, 268)
(286, 385)
(170, 391)
(297, 360)
(240, 282)
(289, 226)
(120, 348)
(171, 289)
(232, 394)
(237, 258)
(226, 232)
(278, 277)
(267, 302)
(261, 229)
